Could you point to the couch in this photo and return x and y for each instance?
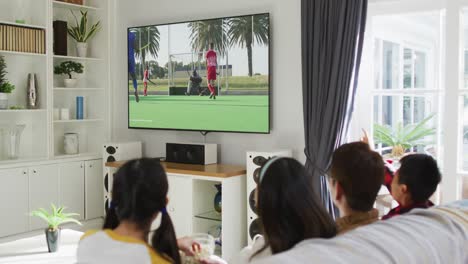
(436, 235)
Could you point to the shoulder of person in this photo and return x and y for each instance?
(245, 256)
(88, 234)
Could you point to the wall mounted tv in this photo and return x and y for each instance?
(205, 75)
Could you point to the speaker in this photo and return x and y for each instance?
(60, 37)
(255, 161)
(201, 154)
(116, 152)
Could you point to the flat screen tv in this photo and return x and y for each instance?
(205, 75)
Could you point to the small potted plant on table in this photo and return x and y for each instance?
(5, 86)
(54, 219)
(67, 68)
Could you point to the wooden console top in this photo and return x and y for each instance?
(212, 170)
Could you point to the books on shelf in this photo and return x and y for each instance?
(22, 39)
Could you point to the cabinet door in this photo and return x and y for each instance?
(43, 190)
(180, 204)
(94, 189)
(71, 191)
(14, 201)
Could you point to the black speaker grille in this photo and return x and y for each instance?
(110, 150)
(110, 159)
(254, 228)
(106, 182)
(252, 201)
(185, 153)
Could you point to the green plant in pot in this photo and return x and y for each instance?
(81, 32)
(54, 219)
(5, 86)
(67, 68)
(402, 137)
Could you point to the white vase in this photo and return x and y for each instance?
(70, 83)
(82, 49)
(3, 101)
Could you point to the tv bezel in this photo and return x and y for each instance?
(201, 130)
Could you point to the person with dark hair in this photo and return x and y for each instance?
(356, 176)
(288, 208)
(139, 195)
(414, 183)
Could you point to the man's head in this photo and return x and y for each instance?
(356, 175)
(211, 46)
(416, 179)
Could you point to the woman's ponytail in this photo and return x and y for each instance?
(164, 240)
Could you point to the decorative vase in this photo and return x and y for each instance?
(32, 101)
(70, 83)
(70, 143)
(218, 199)
(12, 137)
(3, 101)
(82, 49)
(53, 239)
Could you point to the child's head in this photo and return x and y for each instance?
(356, 176)
(139, 194)
(416, 179)
(288, 207)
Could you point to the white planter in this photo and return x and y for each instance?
(70, 83)
(3, 101)
(82, 49)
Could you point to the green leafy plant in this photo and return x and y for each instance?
(402, 137)
(56, 218)
(80, 31)
(5, 86)
(68, 67)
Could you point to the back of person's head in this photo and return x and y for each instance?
(360, 173)
(139, 192)
(419, 172)
(288, 207)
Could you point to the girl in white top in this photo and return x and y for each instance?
(138, 195)
(288, 210)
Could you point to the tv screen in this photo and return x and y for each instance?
(206, 75)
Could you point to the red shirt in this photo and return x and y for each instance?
(211, 59)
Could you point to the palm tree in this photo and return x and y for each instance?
(147, 42)
(202, 33)
(245, 31)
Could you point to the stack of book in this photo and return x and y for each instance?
(22, 39)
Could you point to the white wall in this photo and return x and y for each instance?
(286, 109)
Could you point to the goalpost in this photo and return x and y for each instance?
(181, 65)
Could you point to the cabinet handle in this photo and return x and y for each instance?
(24, 172)
(34, 171)
(91, 165)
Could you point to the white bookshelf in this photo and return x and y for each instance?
(63, 5)
(43, 135)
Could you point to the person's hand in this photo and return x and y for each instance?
(213, 260)
(365, 137)
(187, 245)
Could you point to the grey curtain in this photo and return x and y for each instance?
(332, 40)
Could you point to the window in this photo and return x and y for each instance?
(401, 97)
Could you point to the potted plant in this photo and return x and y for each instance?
(67, 68)
(54, 219)
(402, 137)
(82, 33)
(5, 86)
